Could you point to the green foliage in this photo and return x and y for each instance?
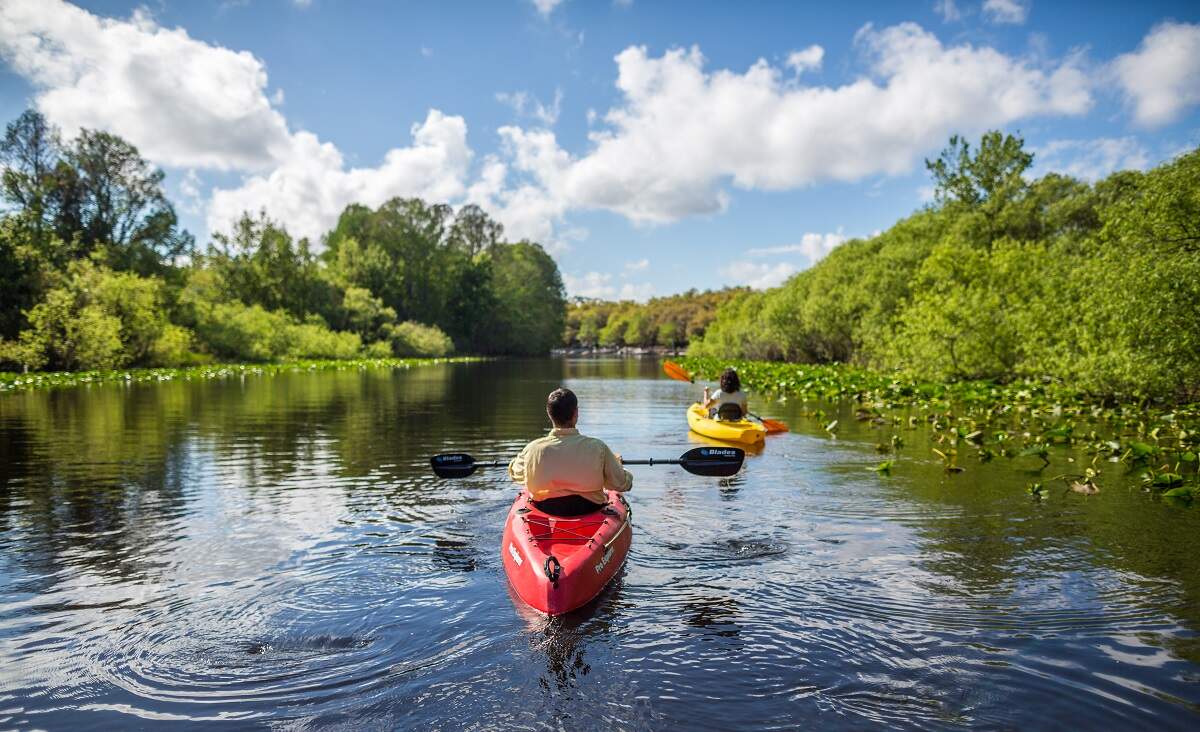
(173, 347)
(529, 314)
(93, 318)
(1004, 279)
(258, 263)
(413, 339)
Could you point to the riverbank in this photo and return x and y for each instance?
(984, 420)
(52, 379)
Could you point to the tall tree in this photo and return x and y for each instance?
(30, 152)
(115, 202)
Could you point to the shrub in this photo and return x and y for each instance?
(173, 347)
(414, 339)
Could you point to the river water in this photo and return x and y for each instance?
(273, 552)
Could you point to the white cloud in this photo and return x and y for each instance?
(806, 60)
(759, 276)
(1011, 12)
(812, 245)
(525, 104)
(682, 132)
(181, 101)
(311, 187)
(948, 10)
(426, 51)
(1162, 78)
(637, 266)
(545, 7)
(1091, 160)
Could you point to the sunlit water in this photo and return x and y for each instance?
(274, 552)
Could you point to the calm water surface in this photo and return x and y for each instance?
(273, 552)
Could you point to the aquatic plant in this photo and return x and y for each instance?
(51, 379)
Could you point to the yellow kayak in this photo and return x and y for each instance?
(743, 431)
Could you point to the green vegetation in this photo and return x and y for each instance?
(99, 276)
(671, 322)
(1023, 419)
(46, 379)
(1005, 279)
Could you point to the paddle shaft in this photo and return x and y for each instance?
(650, 461)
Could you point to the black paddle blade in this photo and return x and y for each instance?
(719, 462)
(453, 465)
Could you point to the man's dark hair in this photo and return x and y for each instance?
(730, 382)
(561, 405)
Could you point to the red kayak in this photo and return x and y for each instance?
(556, 563)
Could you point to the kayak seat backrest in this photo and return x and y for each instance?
(729, 412)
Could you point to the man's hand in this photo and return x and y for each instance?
(619, 459)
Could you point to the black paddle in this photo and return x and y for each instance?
(720, 462)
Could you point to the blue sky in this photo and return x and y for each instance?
(650, 146)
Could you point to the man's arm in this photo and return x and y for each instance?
(516, 469)
(616, 477)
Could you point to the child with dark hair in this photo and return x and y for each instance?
(720, 405)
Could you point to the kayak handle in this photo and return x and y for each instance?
(552, 574)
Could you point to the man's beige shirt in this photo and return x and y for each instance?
(565, 463)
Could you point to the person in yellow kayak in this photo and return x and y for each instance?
(729, 402)
(566, 473)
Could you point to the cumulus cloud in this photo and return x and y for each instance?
(183, 102)
(681, 132)
(758, 276)
(807, 60)
(813, 246)
(1091, 160)
(600, 285)
(1161, 78)
(311, 187)
(1010, 12)
(637, 266)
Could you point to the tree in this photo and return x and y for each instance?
(29, 154)
(531, 305)
(473, 231)
(112, 199)
(995, 170)
(259, 264)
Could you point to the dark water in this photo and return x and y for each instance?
(272, 552)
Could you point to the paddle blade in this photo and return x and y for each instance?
(677, 372)
(453, 465)
(774, 426)
(719, 462)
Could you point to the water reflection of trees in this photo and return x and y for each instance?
(90, 473)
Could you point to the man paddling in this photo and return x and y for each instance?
(566, 473)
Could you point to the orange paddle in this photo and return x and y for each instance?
(677, 372)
